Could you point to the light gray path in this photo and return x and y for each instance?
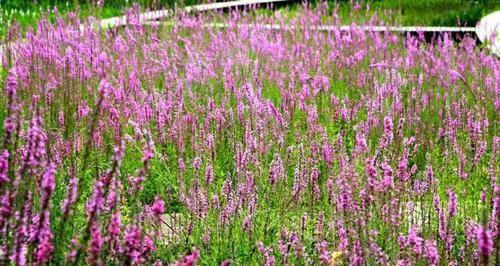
(488, 27)
(334, 27)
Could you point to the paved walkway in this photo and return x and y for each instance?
(333, 27)
(488, 27)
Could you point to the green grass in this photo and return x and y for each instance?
(27, 13)
(415, 12)
(438, 12)
(397, 12)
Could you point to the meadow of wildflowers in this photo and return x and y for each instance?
(272, 147)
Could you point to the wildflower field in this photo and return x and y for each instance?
(214, 139)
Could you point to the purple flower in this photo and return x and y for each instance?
(11, 84)
(484, 241)
(327, 152)
(119, 152)
(209, 174)
(96, 202)
(182, 165)
(206, 237)
(483, 195)
(247, 224)
(269, 260)
(132, 243)
(277, 171)
(36, 139)
(452, 205)
(324, 254)
(158, 207)
(388, 135)
(45, 247)
(431, 252)
(210, 143)
(189, 260)
(197, 163)
(114, 226)
(416, 241)
(9, 125)
(5, 208)
(314, 183)
(73, 249)
(60, 119)
(48, 181)
(71, 196)
(96, 242)
(371, 172)
(429, 173)
(4, 167)
(388, 181)
(148, 246)
(361, 144)
(436, 202)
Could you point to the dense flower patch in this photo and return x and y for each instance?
(286, 147)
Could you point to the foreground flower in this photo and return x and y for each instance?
(189, 260)
(484, 243)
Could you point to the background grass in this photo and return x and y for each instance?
(397, 12)
(436, 12)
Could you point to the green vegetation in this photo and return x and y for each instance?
(434, 12)
(28, 12)
(396, 12)
(286, 147)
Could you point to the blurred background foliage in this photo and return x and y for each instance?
(433, 12)
(396, 12)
